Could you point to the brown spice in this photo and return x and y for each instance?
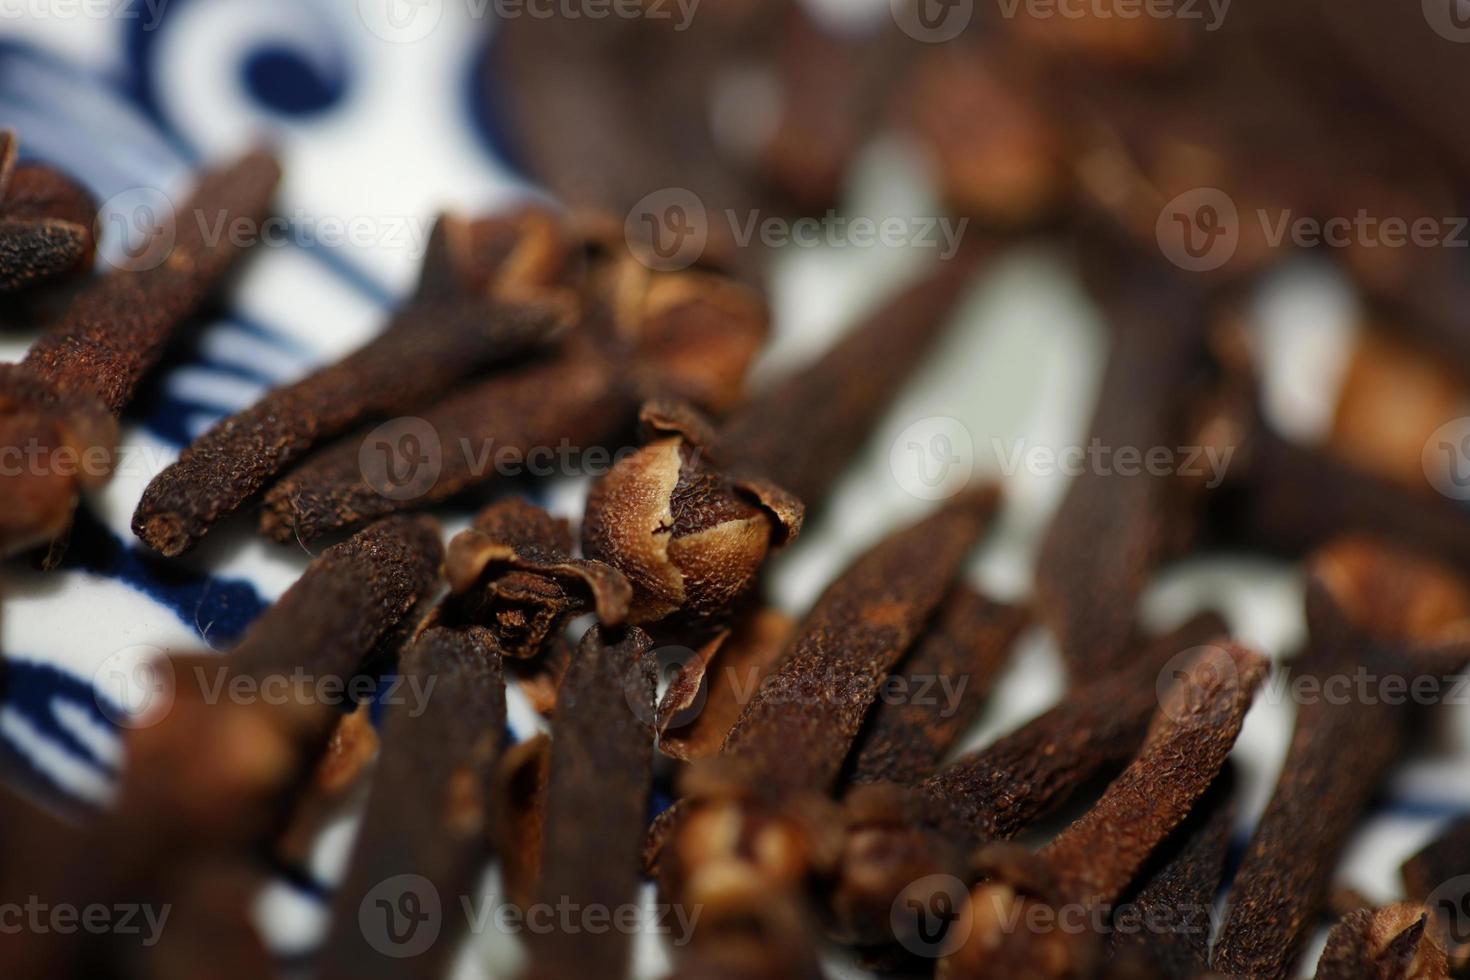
(521, 825)
(1442, 859)
(1090, 863)
(796, 732)
(601, 763)
(430, 808)
(45, 223)
(1114, 526)
(427, 347)
(513, 572)
(653, 515)
(1340, 749)
(705, 699)
(1393, 943)
(998, 791)
(941, 686)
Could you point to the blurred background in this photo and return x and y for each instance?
(1291, 180)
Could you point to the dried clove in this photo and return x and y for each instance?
(84, 369)
(996, 792)
(1093, 861)
(691, 517)
(897, 836)
(601, 762)
(521, 821)
(1369, 609)
(795, 733)
(1114, 526)
(1393, 943)
(691, 333)
(45, 223)
(429, 811)
(426, 347)
(943, 681)
(1179, 887)
(513, 572)
(705, 698)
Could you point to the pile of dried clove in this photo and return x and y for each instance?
(815, 818)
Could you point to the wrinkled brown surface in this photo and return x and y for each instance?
(803, 431)
(1178, 888)
(1088, 865)
(1188, 740)
(796, 732)
(513, 573)
(431, 803)
(116, 327)
(998, 791)
(521, 793)
(46, 223)
(939, 689)
(576, 398)
(1392, 943)
(1341, 748)
(361, 589)
(705, 699)
(425, 349)
(596, 799)
(1113, 527)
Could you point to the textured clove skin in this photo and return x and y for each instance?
(513, 573)
(46, 223)
(690, 334)
(431, 803)
(1089, 864)
(80, 374)
(1372, 608)
(1393, 943)
(1178, 887)
(690, 538)
(800, 726)
(1113, 527)
(996, 792)
(783, 449)
(601, 763)
(945, 679)
(427, 346)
